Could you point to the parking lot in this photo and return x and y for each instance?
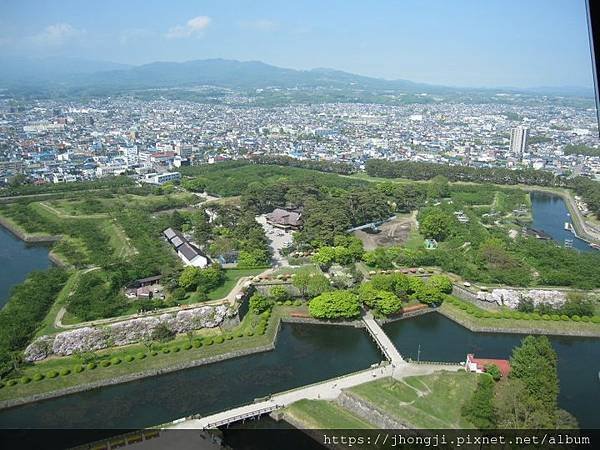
(278, 240)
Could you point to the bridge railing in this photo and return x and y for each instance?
(339, 377)
(238, 417)
(379, 343)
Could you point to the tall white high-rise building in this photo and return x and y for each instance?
(518, 141)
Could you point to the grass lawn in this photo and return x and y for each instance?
(47, 326)
(321, 414)
(119, 240)
(415, 240)
(231, 278)
(149, 362)
(427, 401)
(452, 311)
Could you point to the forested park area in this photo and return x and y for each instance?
(587, 188)
(113, 236)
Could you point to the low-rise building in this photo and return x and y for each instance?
(287, 220)
(478, 365)
(162, 178)
(187, 252)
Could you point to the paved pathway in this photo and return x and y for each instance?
(327, 390)
(382, 340)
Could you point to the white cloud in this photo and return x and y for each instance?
(259, 25)
(193, 27)
(56, 35)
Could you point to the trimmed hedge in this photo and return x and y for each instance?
(140, 356)
(11, 382)
(38, 377)
(129, 358)
(115, 361)
(78, 369)
(52, 374)
(249, 333)
(65, 372)
(219, 340)
(197, 343)
(91, 366)
(105, 363)
(25, 380)
(176, 349)
(517, 315)
(208, 342)
(187, 346)
(166, 350)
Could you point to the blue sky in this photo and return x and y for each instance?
(521, 43)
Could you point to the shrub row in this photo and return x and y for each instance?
(196, 343)
(480, 313)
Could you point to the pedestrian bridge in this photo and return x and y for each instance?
(326, 390)
(382, 340)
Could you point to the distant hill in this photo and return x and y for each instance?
(33, 71)
(79, 75)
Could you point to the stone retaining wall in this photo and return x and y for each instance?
(406, 315)
(313, 321)
(135, 376)
(26, 237)
(125, 332)
(368, 412)
(532, 330)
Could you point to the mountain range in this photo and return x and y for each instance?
(73, 73)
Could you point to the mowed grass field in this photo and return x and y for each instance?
(322, 414)
(428, 401)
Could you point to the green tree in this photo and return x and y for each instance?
(428, 294)
(259, 303)
(301, 280)
(534, 363)
(493, 371)
(479, 409)
(317, 284)
(436, 224)
(335, 305)
(441, 282)
(279, 293)
(384, 302)
(177, 220)
(515, 409)
(438, 187)
(325, 256)
(189, 278)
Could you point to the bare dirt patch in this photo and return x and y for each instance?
(392, 233)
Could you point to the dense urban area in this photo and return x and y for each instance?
(185, 233)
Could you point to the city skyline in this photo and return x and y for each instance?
(496, 44)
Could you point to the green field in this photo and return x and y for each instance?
(231, 278)
(321, 414)
(569, 327)
(149, 362)
(428, 401)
